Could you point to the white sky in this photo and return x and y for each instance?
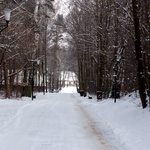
(63, 4)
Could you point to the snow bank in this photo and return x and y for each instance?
(124, 123)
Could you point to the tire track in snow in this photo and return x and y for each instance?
(94, 129)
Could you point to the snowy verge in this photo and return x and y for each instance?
(9, 108)
(125, 124)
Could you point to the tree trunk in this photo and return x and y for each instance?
(7, 90)
(140, 70)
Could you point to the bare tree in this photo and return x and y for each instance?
(103, 36)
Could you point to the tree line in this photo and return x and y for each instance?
(22, 44)
(111, 40)
(108, 44)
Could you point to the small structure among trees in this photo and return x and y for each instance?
(68, 78)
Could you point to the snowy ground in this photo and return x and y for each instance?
(66, 121)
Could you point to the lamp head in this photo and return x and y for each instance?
(7, 13)
(38, 62)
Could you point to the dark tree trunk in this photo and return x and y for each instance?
(140, 70)
(7, 89)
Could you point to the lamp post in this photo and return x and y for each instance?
(7, 13)
(43, 72)
(115, 86)
(115, 68)
(31, 77)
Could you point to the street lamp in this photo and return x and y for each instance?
(115, 86)
(115, 68)
(31, 77)
(7, 13)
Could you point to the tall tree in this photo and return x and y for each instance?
(140, 69)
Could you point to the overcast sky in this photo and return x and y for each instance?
(63, 6)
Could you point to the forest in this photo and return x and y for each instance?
(105, 42)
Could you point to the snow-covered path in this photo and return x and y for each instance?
(55, 123)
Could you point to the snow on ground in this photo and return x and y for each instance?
(124, 122)
(66, 121)
(70, 89)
